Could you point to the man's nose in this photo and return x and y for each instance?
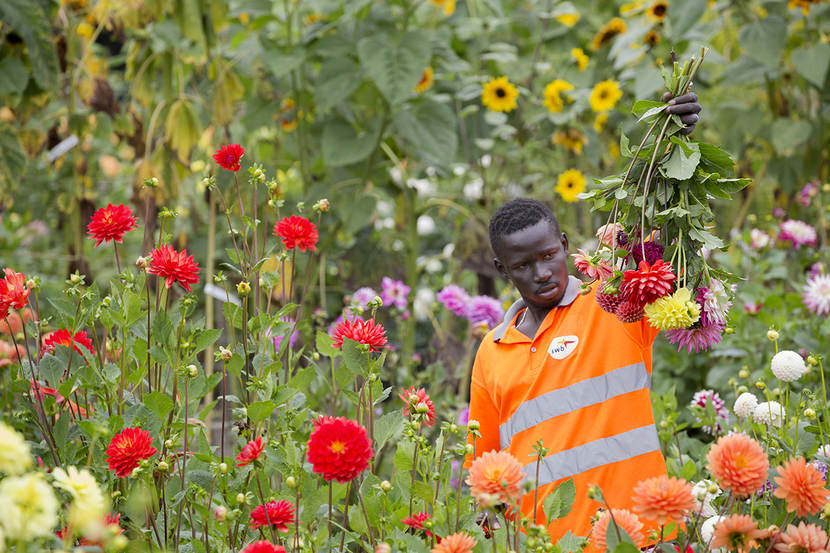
(541, 272)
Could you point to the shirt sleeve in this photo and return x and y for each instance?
(482, 409)
(641, 332)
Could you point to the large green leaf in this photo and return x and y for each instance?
(12, 158)
(764, 40)
(28, 19)
(683, 160)
(13, 76)
(430, 129)
(787, 135)
(338, 78)
(395, 63)
(812, 62)
(683, 15)
(343, 145)
(558, 504)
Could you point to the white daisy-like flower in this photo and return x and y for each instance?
(15, 457)
(704, 497)
(788, 365)
(88, 507)
(816, 294)
(30, 508)
(769, 412)
(707, 529)
(716, 302)
(758, 239)
(745, 405)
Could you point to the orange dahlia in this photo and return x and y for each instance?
(804, 538)
(801, 486)
(278, 514)
(462, 542)
(736, 533)
(662, 498)
(13, 291)
(64, 337)
(496, 473)
(739, 462)
(250, 452)
(366, 332)
(338, 448)
(412, 398)
(228, 156)
(297, 232)
(111, 223)
(127, 449)
(626, 520)
(174, 266)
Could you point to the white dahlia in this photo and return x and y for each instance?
(29, 507)
(745, 405)
(15, 457)
(788, 366)
(769, 412)
(88, 509)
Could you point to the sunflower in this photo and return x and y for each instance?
(447, 5)
(578, 55)
(611, 29)
(572, 139)
(568, 19)
(499, 95)
(657, 12)
(605, 95)
(570, 183)
(426, 81)
(600, 120)
(803, 4)
(652, 38)
(553, 94)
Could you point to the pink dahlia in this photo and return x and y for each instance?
(454, 298)
(698, 339)
(798, 232)
(816, 294)
(592, 266)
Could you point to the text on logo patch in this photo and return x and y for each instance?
(562, 346)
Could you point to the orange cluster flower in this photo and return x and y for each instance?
(278, 514)
(736, 533)
(804, 538)
(662, 498)
(228, 156)
(297, 232)
(366, 332)
(111, 223)
(250, 452)
(64, 337)
(127, 449)
(495, 473)
(338, 448)
(801, 486)
(739, 462)
(174, 266)
(462, 542)
(412, 398)
(626, 520)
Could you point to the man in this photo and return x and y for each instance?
(561, 370)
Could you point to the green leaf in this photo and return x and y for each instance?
(338, 78)
(206, 338)
(395, 63)
(324, 345)
(812, 62)
(355, 359)
(706, 238)
(28, 19)
(403, 456)
(764, 40)
(134, 312)
(281, 63)
(625, 547)
(258, 411)
(559, 503)
(430, 129)
(12, 159)
(570, 543)
(652, 112)
(615, 535)
(641, 107)
(386, 427)
(715, 160)
(159, 402)
(683, 15)
(683, 161)
(13, 76)
(51, 369)
(689, 470)
(344, 145)
(788, 134)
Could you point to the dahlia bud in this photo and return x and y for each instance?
(168, 444)
(713, 488)
(75, 278)
(487, 500)
(809, 414)
(291, 482)
(31, 284)
(664, 424)
(141, 262)
(468, 449)
(240, 498)
(428, 523)
(742, 389)
(584, 289)
(383, 548)
(422, 407)
(473, 424)
(595, 493)
(225, 353)
(453, 428)
(223, 468)
(772, 335)
(243, 288)
(259, 174)
(323, 205)
(272, 204)
(811, 360)
(729, 330)
(315, 356)
(775, 391)
(120, 542)
(531, 542)
(136, 472)
(825, 513)
(192, 371)
(152, 182)
(743, 373)
(376, 303)
(760, 384)
(386, 486)
(731, 382)
(221, 513)
(163, 466)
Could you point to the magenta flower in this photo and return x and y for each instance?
(394, 292)
(697, 339)
(798, 232)
(484, 309)
(455, 299)
(816, 294)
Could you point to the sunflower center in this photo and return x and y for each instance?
(337, 447)
(659, 10)
(603, 94)
(501, 93)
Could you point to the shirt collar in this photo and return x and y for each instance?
(571, 292)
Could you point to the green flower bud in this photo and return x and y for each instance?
(386, 486)
(772, 335)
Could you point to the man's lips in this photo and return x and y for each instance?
(547, 288)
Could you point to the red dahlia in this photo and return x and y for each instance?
(111, 223)
(629, 312)
(297, 232)
(648, 283)
(228, 156)
(13, 291)
(416, 522)
(278, 514)
(263, 547)
(365, 332)
(127, 449)
(64, 337)
(412, 398)
(250, 452)
(174, 266)
(338, 448)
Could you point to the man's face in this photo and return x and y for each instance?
(535, 260)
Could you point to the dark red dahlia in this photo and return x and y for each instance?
(13, 291)
(654, 251)
(412, 398)
(127, 449)
(608, 302)
(297, 232)
(111, 223)
(250, 452)
(365, 332)
(338, 448)
(263, 547)
(64, 337)
(648, 283)
(279, 514)
(629, 312)
(174, 266)
(228, 156)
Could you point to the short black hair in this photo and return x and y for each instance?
(518, 214)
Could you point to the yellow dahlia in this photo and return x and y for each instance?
(569, 184)
(673, 312)
(499, 95)
(553, 94)
(605, 95)
(580, 58)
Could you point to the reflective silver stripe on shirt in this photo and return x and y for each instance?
(576, 396)
(595, 454)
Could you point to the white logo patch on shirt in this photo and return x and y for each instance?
(562, 346)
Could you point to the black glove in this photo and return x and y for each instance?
(687, 107)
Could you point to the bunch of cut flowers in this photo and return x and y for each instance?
(651, 254)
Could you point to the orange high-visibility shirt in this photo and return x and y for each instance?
(582, 385)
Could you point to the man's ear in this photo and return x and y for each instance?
(564, 242)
